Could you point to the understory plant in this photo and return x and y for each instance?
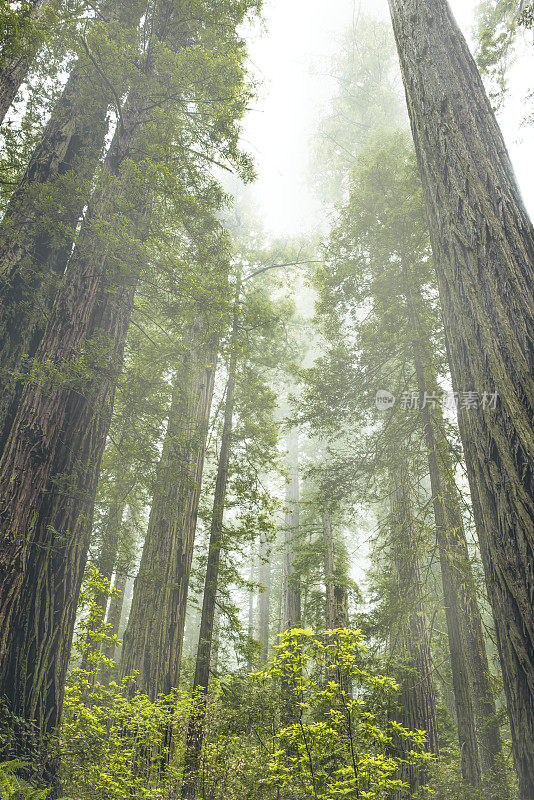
(335, 739)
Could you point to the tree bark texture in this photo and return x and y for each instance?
(153, 638)
(483, 244)
(38, 230)
(51, 460)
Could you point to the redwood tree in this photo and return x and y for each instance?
(50, 464)
(483, 244)
(154, 635)
(38, 229)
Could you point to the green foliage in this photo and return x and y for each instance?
(314, 723)
(336, 741)
(496, 31)
(499, 25)
(526, 17)
(14, 787)
(115, 743)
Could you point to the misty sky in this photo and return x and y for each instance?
(291, 59)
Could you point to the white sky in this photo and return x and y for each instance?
(291, 60)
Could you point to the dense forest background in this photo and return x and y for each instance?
(266, 501)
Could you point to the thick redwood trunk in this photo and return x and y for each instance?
(59, 174)
(153, 638)
(483, 244)
(46, 530)
(50, 463)
(292, 603)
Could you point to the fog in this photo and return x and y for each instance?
(291, 60)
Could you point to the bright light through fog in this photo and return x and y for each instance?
(291, 59)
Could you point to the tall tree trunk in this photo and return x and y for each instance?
(292, 603)
(195, 728)
(336, 605)
(50, 464)
(15, 61)
(32, 259)
(154, 635)
(264, 599)
(418, 698)
(469, 662)
(46, 519)
(483, 244)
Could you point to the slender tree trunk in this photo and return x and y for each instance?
(329, 576)
(483, 244)
(123, 568)
(251, 576)
(114, 614)
(14, 66)
(292, 603)
(32, 259)
(418, 698)
(264, 599)
(195, 728)
(105, 563)
(452, 589)
(466, 639)
(336, 605)
(154, 636)
(451, 578)
(488, 732)
(215, 641)
(281, 596)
